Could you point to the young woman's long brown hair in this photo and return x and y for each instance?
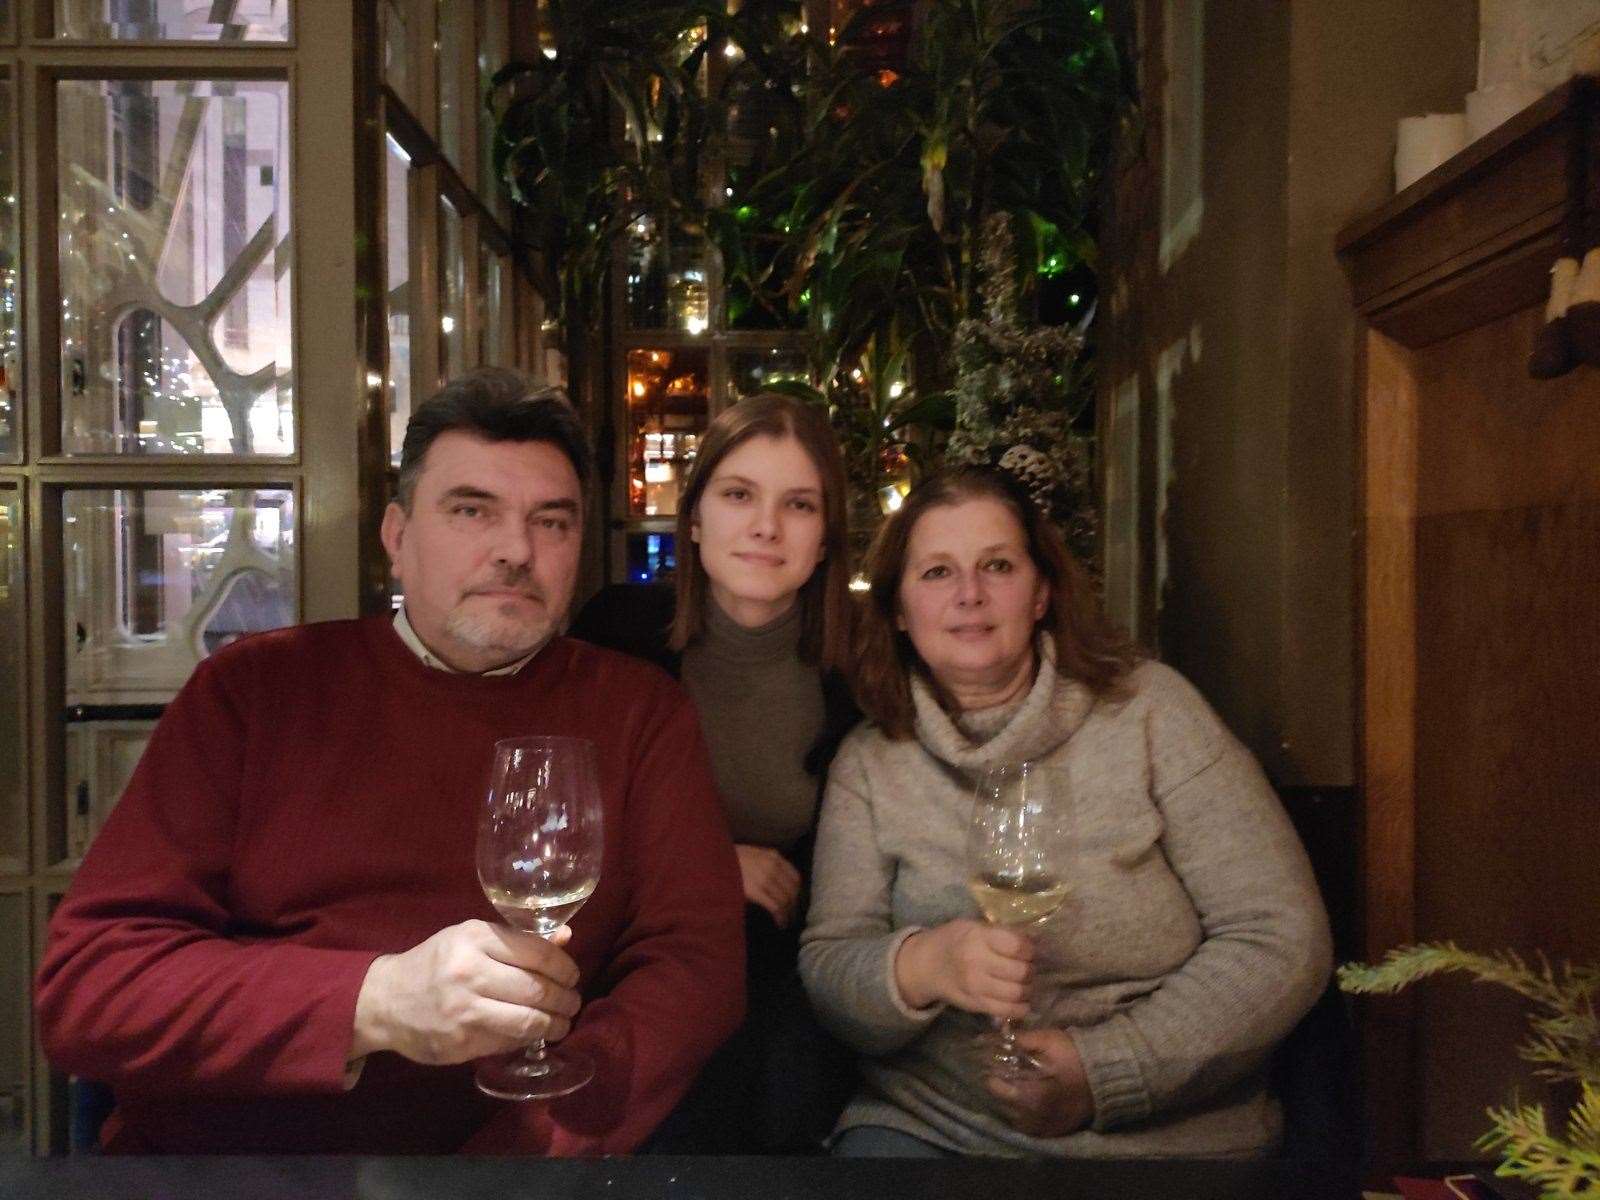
(825, 606)
(1088, 647)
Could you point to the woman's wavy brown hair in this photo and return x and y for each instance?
(825, 607)
(1088, 647)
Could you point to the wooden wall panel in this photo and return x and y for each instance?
(1491, 437)
(1387, 640)
(1508, 755)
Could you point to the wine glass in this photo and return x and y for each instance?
(1016, 851)
(539, 850)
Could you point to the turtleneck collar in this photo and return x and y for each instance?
(727, 639)
(1047, 715)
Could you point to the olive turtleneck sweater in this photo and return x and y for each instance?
(762, 711)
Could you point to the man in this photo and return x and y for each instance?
(278, 941)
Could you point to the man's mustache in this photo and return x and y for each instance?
(520, 580)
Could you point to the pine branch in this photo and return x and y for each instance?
(1560, 1170)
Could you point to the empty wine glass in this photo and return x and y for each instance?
(539, 851)
(1016, 851)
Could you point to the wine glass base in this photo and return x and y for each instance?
(1009, 1062)
(517, 1077)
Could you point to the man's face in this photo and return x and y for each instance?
(488, 555)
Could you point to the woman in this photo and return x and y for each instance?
(1192, 938)
(758, 629)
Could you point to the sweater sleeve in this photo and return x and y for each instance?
(674, 989)
(141, 985)
(1266, 951)
(849, 946)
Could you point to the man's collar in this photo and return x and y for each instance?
(408, 635)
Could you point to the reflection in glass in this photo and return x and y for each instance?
(397, 289)
(752, 371)
(668, 407)
(10, 341)
(14, 1049)
(397, 71)
(493, 53)
(158, 579)
(494, 274)
(652, 557)
(666, 281)
(455, 92)
(175, 305)
(101, 756)
(452, 292)
(13, 798)
(173, 20)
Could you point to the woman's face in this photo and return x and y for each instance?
(759, 526)
(970, 596)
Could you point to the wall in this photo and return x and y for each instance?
(1243, 345)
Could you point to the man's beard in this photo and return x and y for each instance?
(495, 632)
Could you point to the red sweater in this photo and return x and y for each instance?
(309, 802)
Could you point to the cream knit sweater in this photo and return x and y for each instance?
(1192, 940)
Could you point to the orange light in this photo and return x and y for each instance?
(886, 77)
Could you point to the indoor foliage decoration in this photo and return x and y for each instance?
(859, 207)
(1564, 1045)
(1017, 397)
(632, 65)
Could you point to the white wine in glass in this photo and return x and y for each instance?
(539, 850)
(1016, 851)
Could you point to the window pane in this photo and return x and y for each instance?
(14, 1048)
(175, 307)
(158, 579)
(667, 412)
(494, 272)
(452, 292)
(455, 90)
(10, 340)
(493, 53)
(752, 371)
(13, 799)
(103, 748)
(652, 557)
(397, 258)
(397, 70)
(667, 286)
(173, 20)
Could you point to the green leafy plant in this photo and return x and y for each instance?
(1563, 1043)
(862, 207)
(632, 65)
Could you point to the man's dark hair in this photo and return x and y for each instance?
(498, 405)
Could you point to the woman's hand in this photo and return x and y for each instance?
(770, 880)
(977, 967)
(1054, 1101)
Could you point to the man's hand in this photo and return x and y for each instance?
(770, 880)
(469, 990)
(1056, 1100)
(977, 967)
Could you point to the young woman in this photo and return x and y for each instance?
(758, 627)
(1193, 937)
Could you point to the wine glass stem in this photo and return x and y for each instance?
(533, 1052)
(1008, 1040)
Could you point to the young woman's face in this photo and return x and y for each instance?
(970, 595)
(759, 525)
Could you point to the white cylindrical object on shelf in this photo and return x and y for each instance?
(1422, 143)
(1490, 107)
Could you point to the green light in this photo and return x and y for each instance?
(744, 212)
(805, 297)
